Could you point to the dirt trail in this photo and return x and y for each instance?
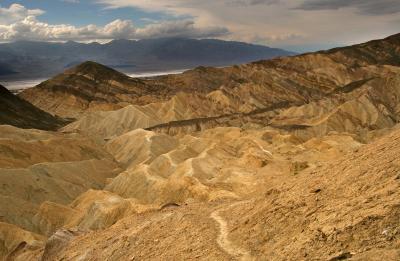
(223, 238)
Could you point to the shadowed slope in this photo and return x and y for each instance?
(20, 113)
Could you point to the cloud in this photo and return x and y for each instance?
(279, 37)
(367, 7)
(19, 23)
(282, 22)
(117, 29)
(31, 29)
(17, 12)
(275, 23)
(251, 2)
(71, 1)
(185, 28)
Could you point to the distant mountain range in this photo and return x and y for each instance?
(26, 59)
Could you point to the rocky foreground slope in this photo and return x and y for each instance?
(289, 159)
(345, 209)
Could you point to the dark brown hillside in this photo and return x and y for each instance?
(20, 113)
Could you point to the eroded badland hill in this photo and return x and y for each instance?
(295, 158)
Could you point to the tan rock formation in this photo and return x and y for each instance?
(289, 159)
(347, 208)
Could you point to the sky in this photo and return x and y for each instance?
(297, 25)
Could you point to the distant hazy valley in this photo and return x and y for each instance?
(37, 60)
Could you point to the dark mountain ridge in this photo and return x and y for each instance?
(20, 113)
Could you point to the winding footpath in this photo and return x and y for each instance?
(223, 238)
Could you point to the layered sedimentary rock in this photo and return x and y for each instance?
(38, 166)
(91, 86)
(293, 158)
(345, 209)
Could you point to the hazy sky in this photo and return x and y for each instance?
(299, 25)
